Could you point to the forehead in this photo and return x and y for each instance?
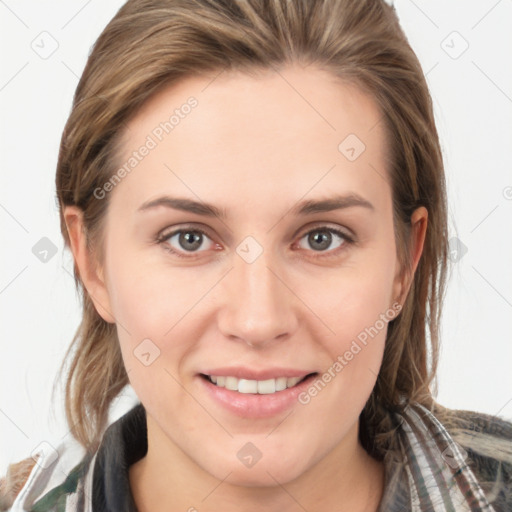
(291, 130)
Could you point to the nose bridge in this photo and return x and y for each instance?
(258, 307)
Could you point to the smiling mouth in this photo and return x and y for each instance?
(261, 387)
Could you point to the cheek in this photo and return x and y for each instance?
(353, 296)
(157, 309)
(148, 296)
(356, 307)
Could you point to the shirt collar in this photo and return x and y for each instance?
(124, 443)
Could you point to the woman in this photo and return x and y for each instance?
(253, 193)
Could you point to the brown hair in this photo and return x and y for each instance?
(151, 44)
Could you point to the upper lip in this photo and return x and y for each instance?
(241, 372)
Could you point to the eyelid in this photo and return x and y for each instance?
(318, 225)
(170, 231)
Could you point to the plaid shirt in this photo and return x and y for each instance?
(432, 473)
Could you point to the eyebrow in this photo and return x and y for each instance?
(304, 208)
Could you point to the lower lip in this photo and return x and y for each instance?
(251, 405)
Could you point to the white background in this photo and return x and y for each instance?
(38, 304)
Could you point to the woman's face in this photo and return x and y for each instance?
(295, 273)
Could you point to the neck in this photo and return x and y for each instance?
(347, 479)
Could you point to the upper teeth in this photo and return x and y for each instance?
(255, 386)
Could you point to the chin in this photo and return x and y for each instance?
(268, 471)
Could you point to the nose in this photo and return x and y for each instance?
(258, 307)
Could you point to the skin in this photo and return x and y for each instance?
(254, 147)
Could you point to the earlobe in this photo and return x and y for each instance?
(418, 230)
(89, 271)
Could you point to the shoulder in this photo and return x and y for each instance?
(487, 444)
(483, 434)
(62, 478)
(14, 480)
(46, 481)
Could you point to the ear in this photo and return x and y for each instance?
(417, 233)
(90, 272)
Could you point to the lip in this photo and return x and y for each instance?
(241, 372)
(249, 405)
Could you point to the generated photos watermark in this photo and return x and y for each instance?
(344, 359)
(152, 140)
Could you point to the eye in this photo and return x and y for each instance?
(194, 240)
(186, 240)
(324, 239)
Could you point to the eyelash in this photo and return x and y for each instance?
(164, 237)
